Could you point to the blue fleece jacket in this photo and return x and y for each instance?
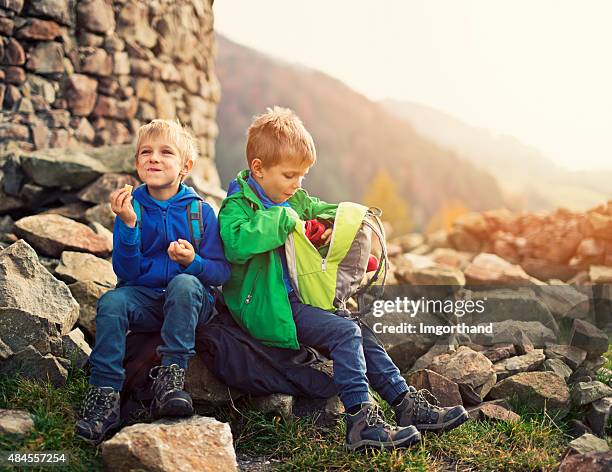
(142, 259)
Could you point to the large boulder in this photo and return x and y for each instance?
(65, 168)
(536, 390)
(53, 234)
(469, 369)
(82, 267)
(490, 269)
(34, 305)
(588, 337)
(510, 330)
(87, 295)
(194, 444)
(206, 390)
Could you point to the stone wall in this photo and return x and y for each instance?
(86, 73)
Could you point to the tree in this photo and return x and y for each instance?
(382, 193)
(447, 213)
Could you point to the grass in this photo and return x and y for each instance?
(537, 442)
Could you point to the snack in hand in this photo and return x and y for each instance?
(129, 188)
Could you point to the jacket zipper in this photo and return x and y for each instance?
(166, 240)
(248, 298)
(324, 260)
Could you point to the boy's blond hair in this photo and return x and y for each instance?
(279, 135)
(174, 132)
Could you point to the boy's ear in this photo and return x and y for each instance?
(187, 167)
(257, 167)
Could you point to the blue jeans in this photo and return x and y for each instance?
(175, 312)
(359, 360)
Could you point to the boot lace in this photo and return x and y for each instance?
(374, 417)
(167, 378)
(425, 403)
(96, 403)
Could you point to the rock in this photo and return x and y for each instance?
(587, 443)
(104, 233)
(82, 267)
(118, 159)
(558, 367)
(101, 214)
(39, 30)
(206, 390)
(58, 10)
(584, 393)
(75, 348)
(87, 295)
(34, 304)
(13, 5)
(599, 415)
(523, 344)
(277, 404)
(5, 351)
(600, 274)
(31, 364)
(508, 331)
(499, 352)
(69, 169)
(521, 304)
(53, 234)
(588, 337)
(423, 362)
(74, 211)
(475, 224)
(595, 462)
(80, 92)
(325, 411)
(194, 444)
(450, 257)
(536, 389)
(46, 58)
(466, 367)
(570, 355)
(95, 61)
(15, 75)
(445, 390)
(492, 269)
(491, 411)
(410, 241)
(14, 55)
(525, 363)
(164, 104)
(434, 275)
(84, 131)
(96, 16)
(578, 428)
(134, 25)
(100, 190)
(564, 301)
(15, 423)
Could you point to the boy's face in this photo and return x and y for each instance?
(160, 165)
(281, 181)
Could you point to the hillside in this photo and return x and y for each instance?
(356, 139)
(519, 168)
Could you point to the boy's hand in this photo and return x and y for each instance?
(121, 204)
(326, 234)
(181, 252)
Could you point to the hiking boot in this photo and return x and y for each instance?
(170, 400)
(100, 414)
(366, 428)
(415, 410)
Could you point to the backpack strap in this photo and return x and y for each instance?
(196, 225)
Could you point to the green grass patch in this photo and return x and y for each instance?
(535, 443)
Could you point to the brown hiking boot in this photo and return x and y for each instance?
(366, 428)
(415, 410)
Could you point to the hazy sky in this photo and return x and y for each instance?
(540, 70)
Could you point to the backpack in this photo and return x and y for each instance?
(194, 217)
(328, 280)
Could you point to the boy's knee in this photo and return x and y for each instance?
(185, 283)
(113, 302)
(349, 329)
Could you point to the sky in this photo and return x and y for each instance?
(539, 70)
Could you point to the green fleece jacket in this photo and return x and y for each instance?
(255, 293)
